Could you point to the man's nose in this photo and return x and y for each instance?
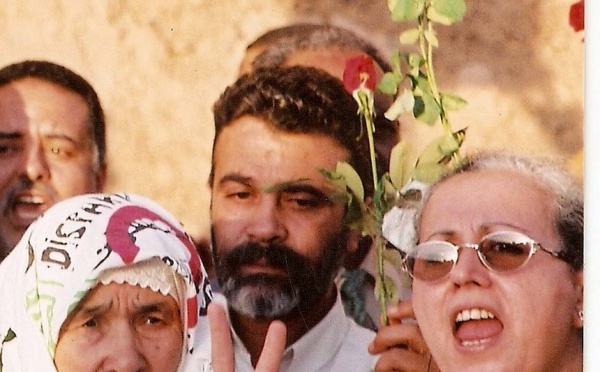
(36, 164)
(267, 223)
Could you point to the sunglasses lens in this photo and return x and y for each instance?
(505, 252)
(432, 260)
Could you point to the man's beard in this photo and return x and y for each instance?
(269, 296)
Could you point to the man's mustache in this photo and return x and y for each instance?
(275, 255)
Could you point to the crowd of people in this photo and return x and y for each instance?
(93, 281)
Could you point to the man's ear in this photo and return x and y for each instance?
(578, 311)
(353, 241)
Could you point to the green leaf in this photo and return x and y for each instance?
(404, 103)
(395, 62)
(432, 163)
(352, 179)
(415, 61)
(398, 164)
(447, 12)
(405, 10)
(431, 38)
(426, 109)
(428, 172)
(389, 288)
(434, 16)
(409, 36)
(439, 149)
(389, 83)
(357, 217)
(393, 256)
(341, 195)
(10, 335)
(451, 102)
(390, 190)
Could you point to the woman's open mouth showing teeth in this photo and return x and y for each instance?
(473, 314)
(475, 327)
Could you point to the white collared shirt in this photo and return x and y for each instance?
(335, 344)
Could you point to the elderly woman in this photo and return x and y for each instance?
(104, 282)
(498, 269)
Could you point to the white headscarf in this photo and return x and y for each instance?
(61, 257)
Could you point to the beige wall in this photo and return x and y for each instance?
(159, 65)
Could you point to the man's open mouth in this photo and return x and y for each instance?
(25, 208)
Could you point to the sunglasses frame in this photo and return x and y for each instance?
(534, 247)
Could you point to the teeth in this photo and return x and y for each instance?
(471, 343)
(473, 314)
(31, 199)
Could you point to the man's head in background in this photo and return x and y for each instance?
(52, 143)
(326, 47)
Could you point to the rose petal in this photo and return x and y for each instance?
(576, 16)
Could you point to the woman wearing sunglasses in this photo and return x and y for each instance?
(498, 269)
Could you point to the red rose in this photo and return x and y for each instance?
(358, 70)
(576, 16)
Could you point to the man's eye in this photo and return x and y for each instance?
(305, 201)
(60, 147)
(239, 195)
(60, 151)
(8, 149)
(90, 323)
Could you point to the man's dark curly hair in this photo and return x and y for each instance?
(301, 100)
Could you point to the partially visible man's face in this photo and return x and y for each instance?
(278, 236)
(333, 61)
(47, 153)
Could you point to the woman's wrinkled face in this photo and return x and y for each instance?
(120, 327)
(531, 321)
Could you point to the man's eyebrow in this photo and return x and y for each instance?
(60, 136)
(10, 135)
(235, 177)
(298, 186)
(293, 188)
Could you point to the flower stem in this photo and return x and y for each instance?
(382, 294)
(427, 52)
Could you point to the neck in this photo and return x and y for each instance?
(253, 332)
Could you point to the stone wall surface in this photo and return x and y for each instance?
(159, 65)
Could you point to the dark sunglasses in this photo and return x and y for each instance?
(500, 251)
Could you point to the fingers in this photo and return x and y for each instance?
(221, 344)
(407, 336)
(400, 344)
(403, 360)
(272, 352)
(403, 331)
(402, 310)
